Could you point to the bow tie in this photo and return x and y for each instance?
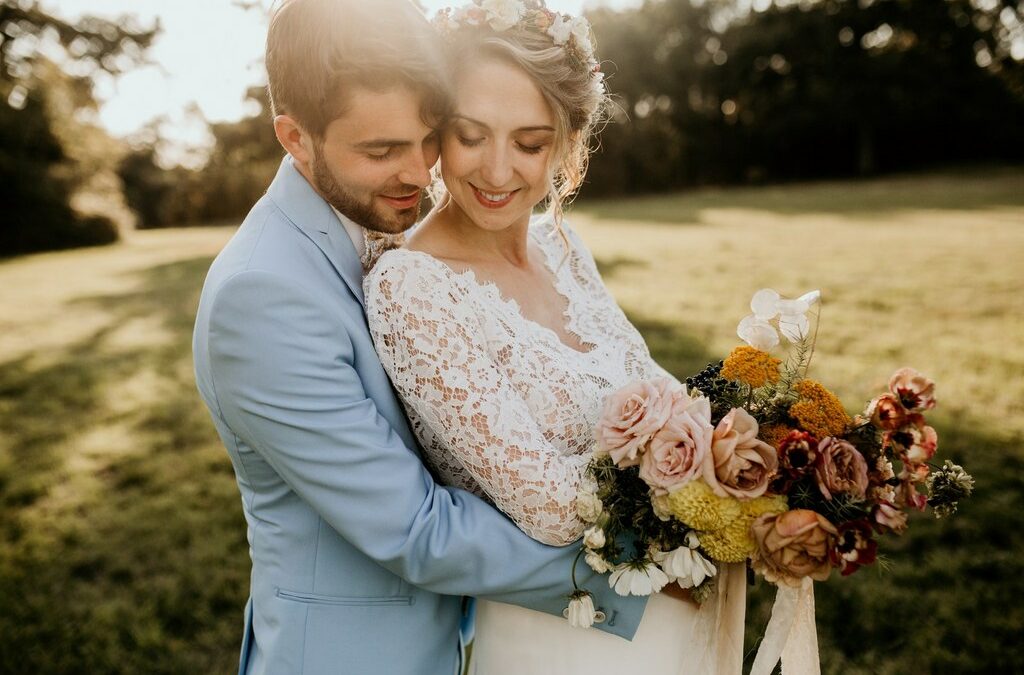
(375, 243)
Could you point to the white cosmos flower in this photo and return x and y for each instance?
(758, 333)
(581, 613)
(629, 579)
(594, 538)
(560, 30)
(597, 563)
(687, 567)
(503, 14)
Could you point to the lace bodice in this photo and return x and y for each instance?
(501, 405)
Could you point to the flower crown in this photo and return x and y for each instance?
(573, 34)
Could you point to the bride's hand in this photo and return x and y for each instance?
(674, 591)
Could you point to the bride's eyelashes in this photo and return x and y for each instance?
(531, 149)
(528, 149)
(469, 142)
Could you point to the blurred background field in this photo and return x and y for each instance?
(873, 149)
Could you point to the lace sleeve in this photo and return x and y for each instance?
(431, 345)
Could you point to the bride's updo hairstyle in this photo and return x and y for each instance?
(556, 52)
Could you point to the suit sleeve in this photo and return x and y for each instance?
(284, 378)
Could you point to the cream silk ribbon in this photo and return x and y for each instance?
(790, 634)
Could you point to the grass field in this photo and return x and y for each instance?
(122, 546)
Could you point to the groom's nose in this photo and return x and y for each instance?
(416, 170)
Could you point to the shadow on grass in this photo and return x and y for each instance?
(946, 191)
(131, 558)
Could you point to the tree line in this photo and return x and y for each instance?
(706, 92)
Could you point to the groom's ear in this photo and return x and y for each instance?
(293, 138)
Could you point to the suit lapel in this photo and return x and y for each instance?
(308, 211)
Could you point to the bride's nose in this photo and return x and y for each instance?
(497, 166)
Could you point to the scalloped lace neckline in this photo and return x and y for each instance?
(511, 306)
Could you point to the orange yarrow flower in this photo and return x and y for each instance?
(818, 410)
(751, 366)
(772, 434)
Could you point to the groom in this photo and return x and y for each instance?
(359, 559)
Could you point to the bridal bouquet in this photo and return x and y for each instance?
(752, 461)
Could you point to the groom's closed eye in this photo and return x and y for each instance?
(382, 149)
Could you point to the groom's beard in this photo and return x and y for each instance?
(362, 206)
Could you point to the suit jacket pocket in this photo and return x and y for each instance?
(317, 599)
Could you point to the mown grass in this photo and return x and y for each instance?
(122, 544)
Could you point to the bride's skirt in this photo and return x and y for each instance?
(674, 638)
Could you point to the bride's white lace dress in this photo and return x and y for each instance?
(505, 409)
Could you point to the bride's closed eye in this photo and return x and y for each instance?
(470, 142)
(531, 149)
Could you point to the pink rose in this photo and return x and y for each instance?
(793, 545)
(631, 416)
(739, 464)
(677, 451)
(840, 469)
(915, 391)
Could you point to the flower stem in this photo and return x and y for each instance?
(575, 586)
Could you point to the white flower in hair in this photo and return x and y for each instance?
(580, 28)
(503, 14)
(597, 82)
(560, 30)
(468, 15)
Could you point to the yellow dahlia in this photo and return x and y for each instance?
(756, 508)
(734, 542)
(696, 505)
(818, 411)
(751, 366)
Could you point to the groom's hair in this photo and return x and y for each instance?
(318, 50)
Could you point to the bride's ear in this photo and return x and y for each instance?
(293, 138)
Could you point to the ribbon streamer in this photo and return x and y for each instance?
(791, 634)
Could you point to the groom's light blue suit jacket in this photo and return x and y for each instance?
(359, 559)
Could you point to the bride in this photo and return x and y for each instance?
(503, 342)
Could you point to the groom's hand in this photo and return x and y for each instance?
(674, 591)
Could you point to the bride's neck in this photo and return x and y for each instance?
(477, 244)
